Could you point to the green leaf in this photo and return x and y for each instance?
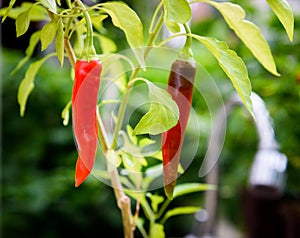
(132, 138)
(22, 22)
(162, 115)
(65, 114)
(27, 84)
(178, 11)
(284, 12)
(186, 188)
(37, 12)
(155, 201)
(172, 26)
(59, 42)
(128, 21)
(11, 4)
(97, 21)
(49, 4)
(232, 65)
(107, 45)
(34, 39)
(113, 70)
(179, 211)
(248, 32)
(114, 160)
(48, 33)
(157, 231)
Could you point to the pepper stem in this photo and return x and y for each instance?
(186, 52)
(88, 51)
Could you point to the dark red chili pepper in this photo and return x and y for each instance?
(84, 103)
(180, 86)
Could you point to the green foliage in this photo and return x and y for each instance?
(160, 103)
(233, 66)
(248, 32)
(131, 25)
(48, 33)
(177, 12)
(27, 84)
(285, 14)
(139, 166)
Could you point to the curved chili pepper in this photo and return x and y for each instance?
(84, 103)
(180, 86)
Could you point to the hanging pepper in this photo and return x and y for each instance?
(84, 104)
(180, 86)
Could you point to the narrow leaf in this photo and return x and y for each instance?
(27, 84)
(128, 21)
(248, 32)
(59, 42)
(11, 4)
(284, 12)
(65, 114)
(37, 12)
(50, 5)
(162, 115)
(34, 39)
(48, 33)
(232, 65)
(186, 188)
(179, 211)
(22, 22)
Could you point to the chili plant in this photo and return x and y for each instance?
(73, 27)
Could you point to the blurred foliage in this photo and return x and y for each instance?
(38, 153)
(281, 96)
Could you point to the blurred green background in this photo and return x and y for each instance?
(38, 198)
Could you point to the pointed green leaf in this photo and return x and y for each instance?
(27, 84)
(186, 188)
(128, 21)
(34, 39)
(22, 22)
(233, 66)
(284, 12)
(48, 33)
(65, 114)
(37, 12)
(97, 21)
(162, 115)
(178, 11)
(11, 4)
(107, 45)
(248, 32)
(59, 42)
(49, 4)
(157, 231)
(179, 211)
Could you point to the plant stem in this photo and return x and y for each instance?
(89, 50)
(69, 51)
(123, 105)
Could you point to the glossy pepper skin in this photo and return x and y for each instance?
(84, 104)
(180, 86)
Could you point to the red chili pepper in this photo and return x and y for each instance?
(180, 86)
(84, 103)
